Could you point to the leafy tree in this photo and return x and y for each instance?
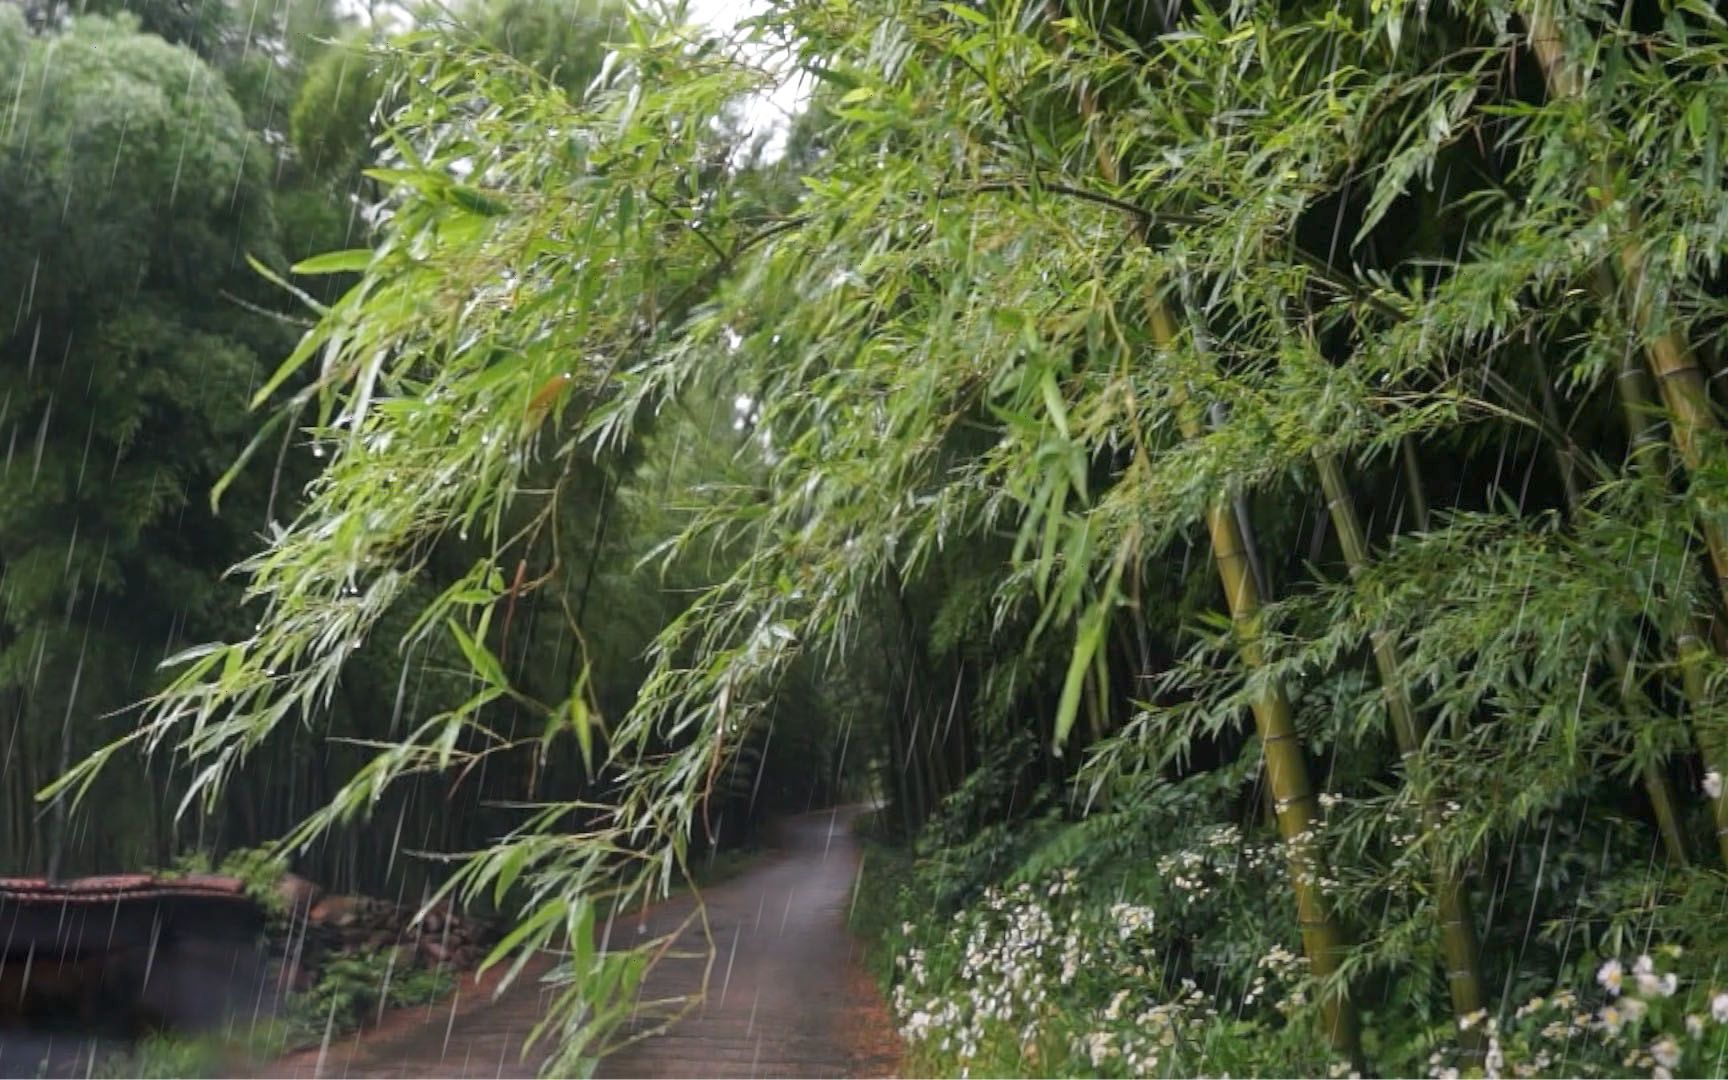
(132, 191)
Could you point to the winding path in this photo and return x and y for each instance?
(787, 995)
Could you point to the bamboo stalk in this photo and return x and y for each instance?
(1693, 426)
(1293, 798)
(1457, 929)
(1413, 483)
(1295, 806)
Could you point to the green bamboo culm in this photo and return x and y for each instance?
(1294, 804)
(1693, 426)
(1451, 896)
(1293, 795)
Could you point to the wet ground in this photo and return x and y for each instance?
(786, 995)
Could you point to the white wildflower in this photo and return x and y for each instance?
(1719, 1008)
(1666, 1052)
(1100, 1047)
(1611, 975)
(1713, 784)
(1611, 1019)
(1651, 984)
(1495, 1060)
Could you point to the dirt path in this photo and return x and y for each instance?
(787, 995)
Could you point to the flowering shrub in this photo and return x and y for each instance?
(1039, 979)
(1637, 1019)
(1148, 939)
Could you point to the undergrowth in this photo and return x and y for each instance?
(1145, 939)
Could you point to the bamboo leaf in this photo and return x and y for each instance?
(353, 260)
(480, 659)
(1086, 642)
(537, 927)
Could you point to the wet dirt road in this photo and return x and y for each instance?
(786, 996)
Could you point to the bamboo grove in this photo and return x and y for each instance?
(1116, 374)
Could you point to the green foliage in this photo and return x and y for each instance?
(204, 26)
(566, 43)
(1149, 947)
(968, 842)
(260, 870)
(145, 159)
(331, 125)
(114, 102)
(125, 381)
(1109, 969)
(160, 1056)
(352, 989)
(1048, 302)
